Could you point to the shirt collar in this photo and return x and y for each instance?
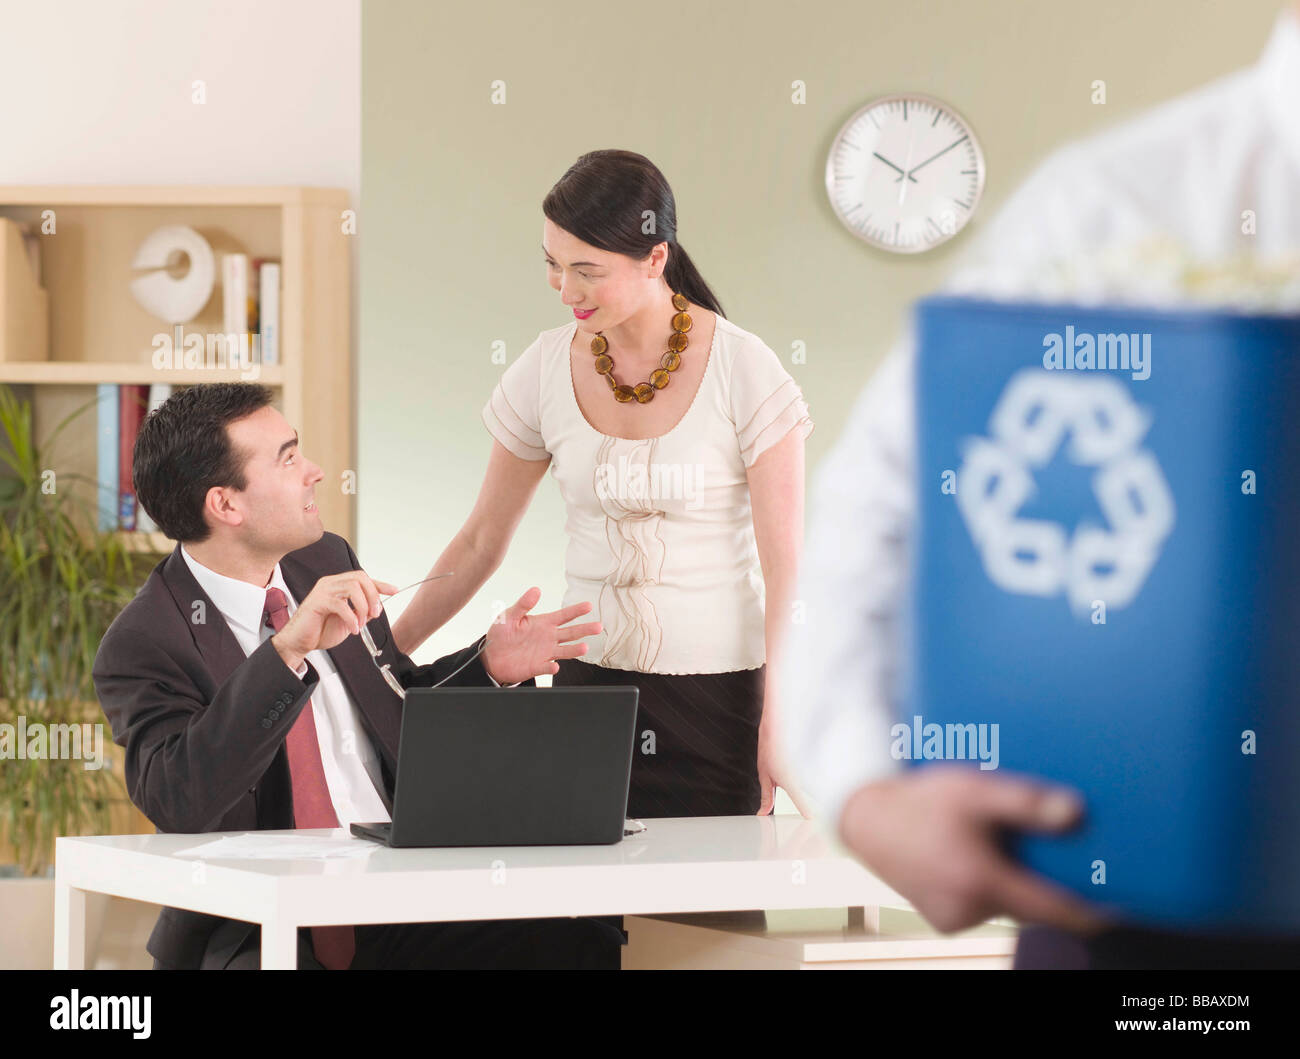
(1279, 79)
(240, 603)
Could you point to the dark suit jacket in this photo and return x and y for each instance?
(204, 725)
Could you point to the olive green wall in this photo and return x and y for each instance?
(452, 186)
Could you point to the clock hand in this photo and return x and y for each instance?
(934, 156)
(891, 165)
(902, 184)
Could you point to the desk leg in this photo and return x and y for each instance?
(279, 945)
(69, 927)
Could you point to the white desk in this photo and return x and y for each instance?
(694, 864)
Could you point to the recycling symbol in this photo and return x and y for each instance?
(1102, 427)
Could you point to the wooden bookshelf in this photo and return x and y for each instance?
(100, 334)
(91, 373)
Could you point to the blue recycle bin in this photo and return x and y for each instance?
(1106, 593)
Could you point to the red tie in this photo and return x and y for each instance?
(334, 946)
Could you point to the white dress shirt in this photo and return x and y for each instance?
(1183, 172)
(350, 762)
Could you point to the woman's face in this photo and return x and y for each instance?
(613, 285)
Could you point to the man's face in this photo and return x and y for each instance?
(278, 504)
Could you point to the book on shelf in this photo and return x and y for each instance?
(108, 453)
(250, 302)
(133, 403)
(158, 393)
(120, 412)
(268, 315)
(234, 294)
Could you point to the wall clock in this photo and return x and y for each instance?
(905, 173)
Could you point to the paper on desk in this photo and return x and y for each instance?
(253, 846)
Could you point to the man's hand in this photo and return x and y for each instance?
(932, 834)
(324, 619)
(519, 647)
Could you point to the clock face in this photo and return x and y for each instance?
(905, 173)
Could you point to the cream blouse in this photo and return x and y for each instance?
(661, 538)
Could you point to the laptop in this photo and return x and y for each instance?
(511, 767)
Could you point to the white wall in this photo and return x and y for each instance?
(100, 92)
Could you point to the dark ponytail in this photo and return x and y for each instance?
(619, 201)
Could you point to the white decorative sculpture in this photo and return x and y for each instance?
(176, 300)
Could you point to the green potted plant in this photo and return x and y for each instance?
(62, 581)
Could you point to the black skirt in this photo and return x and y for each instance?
(696, 751)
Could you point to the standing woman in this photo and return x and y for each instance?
(677, 440)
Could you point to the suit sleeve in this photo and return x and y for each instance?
(188, 762)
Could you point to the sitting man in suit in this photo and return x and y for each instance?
(245, 699)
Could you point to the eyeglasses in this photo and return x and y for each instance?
(386, 669)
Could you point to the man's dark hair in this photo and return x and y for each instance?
(183, 450)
